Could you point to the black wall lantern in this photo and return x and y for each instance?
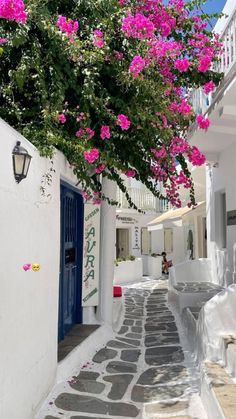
(21, 162)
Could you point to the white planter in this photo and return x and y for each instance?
(128, 271)
(155, 266)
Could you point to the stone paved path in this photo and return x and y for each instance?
(142, 373)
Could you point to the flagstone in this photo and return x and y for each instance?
(120, 383)
(147, 394)
(118, 344)
(130, 355)
(78, 403)
(143, 367)
(133, 342)
(162, 375)
(119, 366)
(123, 330)
(104, 354)
(164, 355)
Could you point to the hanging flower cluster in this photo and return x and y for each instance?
(68, 26)
(98, 38)
(130, 65)
(13, 10)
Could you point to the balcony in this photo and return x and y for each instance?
(143, 199)
(219, 106)
(226, 27)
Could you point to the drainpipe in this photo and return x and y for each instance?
(107, 254)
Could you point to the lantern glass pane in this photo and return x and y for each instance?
(27, 163)
(19, 163)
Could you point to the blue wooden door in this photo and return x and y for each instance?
(70, 309)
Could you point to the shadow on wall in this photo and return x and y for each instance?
(216, 320)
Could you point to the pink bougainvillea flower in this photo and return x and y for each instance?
(209, 87)
(118, 55)
(3, 41)
(13, 10)
(90, 132)
(96, 200)
(137, 65)
(160, 152)
(61, 118)
(98, 40)
(68, 26)
(105, 132)
(130, 173)
(184, 107)
(178, 145)
(196, 157)
(204, 64)
(99, 169)
(202, 122)
(91, 155)
(80, 132)
(137, 26)
(123, 122)
(182, 65)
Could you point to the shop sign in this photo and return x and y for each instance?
(126, 220)
(231, 218)
(136, 238)
(90, 285)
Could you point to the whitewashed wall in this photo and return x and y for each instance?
(30, 232)
(222, 179)
(139, 221)
(157, 238)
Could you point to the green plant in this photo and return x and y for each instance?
(124, 259)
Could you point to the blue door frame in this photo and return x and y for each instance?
(71, 258)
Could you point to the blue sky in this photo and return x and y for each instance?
(213, 6)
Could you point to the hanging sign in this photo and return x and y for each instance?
(90, 286)
(136, 238)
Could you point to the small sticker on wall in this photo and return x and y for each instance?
(35, 267)
(26, 267)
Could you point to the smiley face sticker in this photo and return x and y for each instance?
(35, 267)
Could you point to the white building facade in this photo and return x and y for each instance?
(219, 146)
(181, 233)
(55, 230)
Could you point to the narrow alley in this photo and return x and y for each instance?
(146, 371)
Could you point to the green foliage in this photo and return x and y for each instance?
(124, 259)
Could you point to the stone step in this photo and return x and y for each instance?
(218, 392)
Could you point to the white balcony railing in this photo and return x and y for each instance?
(200, 101)
(143, 199)
(228, 38)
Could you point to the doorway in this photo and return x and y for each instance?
(204, 235)
(122, 242)
(70, 307)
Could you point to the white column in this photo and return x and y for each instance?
(107, 253)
